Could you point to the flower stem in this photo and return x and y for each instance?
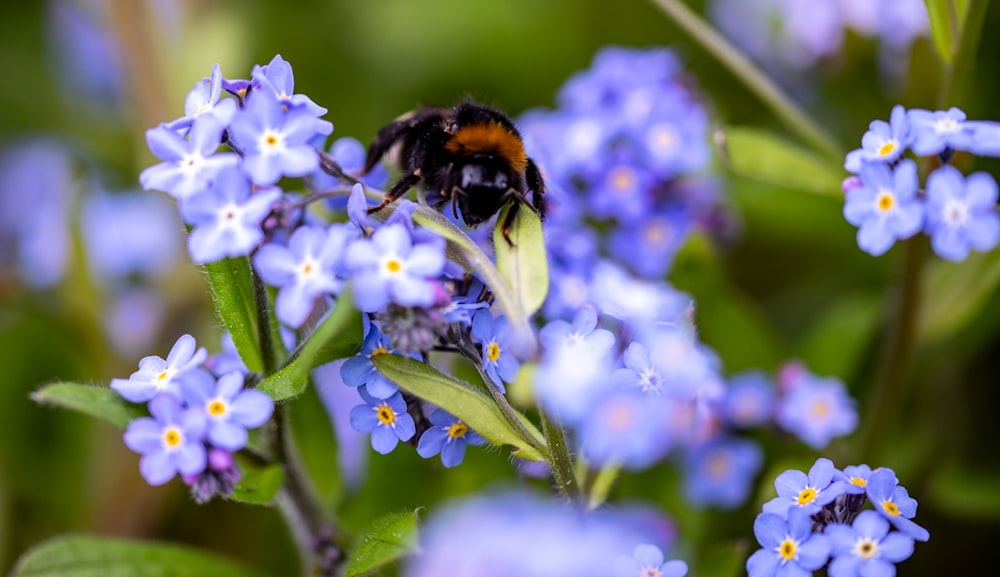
(263, 322)
(318, 539)
(753, 78)
(559, 458)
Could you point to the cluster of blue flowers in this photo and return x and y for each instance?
(223, 161)
(789, 36)
(623, 153)
(632, 405)
(477, 537)
(886, 202)
(819, 519)
(200, 416)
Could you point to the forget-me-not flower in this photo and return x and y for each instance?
(170, 441)
(229, 409)
(448, 436)
(866, 547)
(961, 213)
(190, 165)
(885, 208)
(157, 375)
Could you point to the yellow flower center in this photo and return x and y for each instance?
(386, 416)
(866, 548)
(393, 265)
(787, 549)
(887, 148)
(493, 352)
(885, 201)
(820, 409)
(806, 496)
(172, 437)
(890, 508)
(164, 375)
(622, 179)
(379, 351)
(271, 140)
(216, 408)
(457, 430)
(859, 481)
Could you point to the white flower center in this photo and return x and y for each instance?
(955, 213)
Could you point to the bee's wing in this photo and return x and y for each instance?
(390, 134)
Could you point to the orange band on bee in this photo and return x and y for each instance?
(490, 138)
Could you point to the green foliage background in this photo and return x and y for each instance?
(793, 285)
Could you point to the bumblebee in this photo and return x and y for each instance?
(470, 156)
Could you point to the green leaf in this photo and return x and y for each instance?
(524, 266)
(232, 293)
(89, 556)
(337, 336)
(764, 157)
(96, 401)
(258, 485)
(388, 539)
(946, 17)
(955, 293)
(842, 335)
(466, 402)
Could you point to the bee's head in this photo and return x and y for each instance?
(482, 184)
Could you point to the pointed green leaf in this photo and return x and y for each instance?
(258, 485)
(338, 335)
(87, 556)
(946, 18)
(232, 293)
(524, 266)
(96, 401)
(388, 539)
(764, 157)
(471, 405)
(955, 294)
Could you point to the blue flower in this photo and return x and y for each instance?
(205, 99)
(386, 419)
(476, 536)
(309, 267)
(855, 478)
(961, 214)
(390, 267)
(885, 207)
(228, 359)
(276, 78)
(639, 370)
(170, 442)
(495, 337)
(625, 428)
(227, 219)
(228, 408)
(275, 141)
(790, 548)
(749, 400)
(866, 548)
(935, 132)
(883, 143)
(156, 375)
(894, 503)
(359, 371)
(448, 436)
(817, 410)
(647, 561)
(796, 491)
(571, 382)
(188, 166)
(721, 472)
(561, 334)
(129, 235)
(649, 245)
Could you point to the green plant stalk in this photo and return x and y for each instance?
(957, 75)
(601, 485)
(753, 78)
(559, 458)
(314, 535)
(263, 322)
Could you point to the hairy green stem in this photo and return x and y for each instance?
(315, 536)
(753, 78)
(263, 322)
(559, 458)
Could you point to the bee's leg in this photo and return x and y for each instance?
(533, 178)
(399, 189)
(508, 221)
